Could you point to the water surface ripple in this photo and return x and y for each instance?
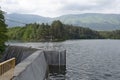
(88, 59)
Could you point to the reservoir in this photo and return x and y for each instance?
(86, 59)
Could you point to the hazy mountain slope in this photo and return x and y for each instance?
(92, 20)
(18, 19)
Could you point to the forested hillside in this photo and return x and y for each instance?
(57, 31)
(110, 34)
(95, 21)
(21, 19)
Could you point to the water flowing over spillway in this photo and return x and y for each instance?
(20, 53)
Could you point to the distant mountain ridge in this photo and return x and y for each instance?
(21, 19)
(94, 21)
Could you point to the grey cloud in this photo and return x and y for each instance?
(60, 7)
(10, 2)
(100, 4)
(76, 7)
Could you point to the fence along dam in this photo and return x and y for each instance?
(32, 64)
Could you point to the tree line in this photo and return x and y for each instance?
(57, 31)
(115, 34)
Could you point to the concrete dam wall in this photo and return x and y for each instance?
(34, 64)
(32, 68)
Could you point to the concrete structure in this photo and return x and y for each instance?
(33, 64)
(56, 61)
(55, 57)
(32, 68)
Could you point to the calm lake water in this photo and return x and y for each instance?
(87, 59)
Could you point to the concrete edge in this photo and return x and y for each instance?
(25, 63)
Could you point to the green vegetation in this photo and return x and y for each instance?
(95, 21)
(3, 30)
(110, 34)
(57, 31)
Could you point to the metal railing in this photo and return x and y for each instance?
(7, 69)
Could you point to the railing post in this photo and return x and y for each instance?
(7, 69)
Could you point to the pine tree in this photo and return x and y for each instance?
(57, 29)
(3, 30)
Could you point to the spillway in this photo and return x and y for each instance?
(35, 64)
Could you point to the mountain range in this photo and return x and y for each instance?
(94, 21)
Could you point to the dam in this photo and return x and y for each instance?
(34, 64)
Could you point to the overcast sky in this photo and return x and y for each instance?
(53, 8)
